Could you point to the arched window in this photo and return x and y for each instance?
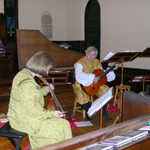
(92, 24)
(46, 25)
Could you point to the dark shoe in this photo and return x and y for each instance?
(87, 117)
(86, 106)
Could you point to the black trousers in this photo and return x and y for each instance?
(86, 106)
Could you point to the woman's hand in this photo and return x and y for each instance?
(50, 86)
(117, 66)
(58, 114)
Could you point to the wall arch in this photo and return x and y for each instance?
(92, 24)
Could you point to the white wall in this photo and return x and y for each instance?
(1, 6)
(68, 17)
(125, 24)
(30, 12)
(75, 23)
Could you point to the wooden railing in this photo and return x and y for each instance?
(99, 135)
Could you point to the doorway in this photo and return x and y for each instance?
(92, 25)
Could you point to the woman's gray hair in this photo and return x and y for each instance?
(91, 49)
(41, 62)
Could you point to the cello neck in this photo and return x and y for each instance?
(56, 101)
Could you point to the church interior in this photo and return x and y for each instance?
(65, 29)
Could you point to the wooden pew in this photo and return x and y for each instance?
(135, 105)
(101, 134)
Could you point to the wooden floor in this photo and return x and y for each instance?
(65, 96)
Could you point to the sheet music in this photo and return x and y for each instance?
(109, 55)
(145, 128)
(100, 102)
(83, 123)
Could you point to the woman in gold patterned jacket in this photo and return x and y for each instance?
(26, 108)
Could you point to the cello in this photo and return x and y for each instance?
(55, 104)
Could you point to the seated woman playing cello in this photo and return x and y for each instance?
(26, 108)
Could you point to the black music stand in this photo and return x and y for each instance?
(122, 57)
(145, 53)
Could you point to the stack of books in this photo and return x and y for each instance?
(117, 141)
(98, 146)
(136, 134)
(145, 128)
(83, 123)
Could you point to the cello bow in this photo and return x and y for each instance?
(56, 101)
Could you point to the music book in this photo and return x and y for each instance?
(117, 141)
(123, 56)
(145, 128)
(83, 123)
(98, 146)
(136, 134)
(100, 102)
(108, 56)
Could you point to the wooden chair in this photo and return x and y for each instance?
(77, 107)
(11, 134)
